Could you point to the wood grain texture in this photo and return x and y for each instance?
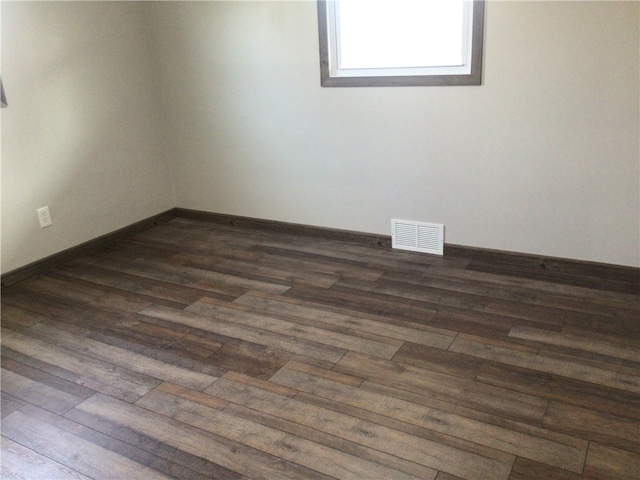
(609, 462)
(15, 457)
(198, 349)
(379, 437)
(518, 439)
(510, 354)
(295, 448)
(67, 448)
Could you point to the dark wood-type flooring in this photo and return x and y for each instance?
(195, 350)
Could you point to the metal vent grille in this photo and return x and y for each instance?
(417, 236)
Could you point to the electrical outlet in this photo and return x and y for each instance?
(44, 217)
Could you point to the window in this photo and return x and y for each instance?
(400, 42)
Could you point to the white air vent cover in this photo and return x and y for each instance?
(417, 236)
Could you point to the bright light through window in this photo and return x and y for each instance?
(400, 33)
(400, 42)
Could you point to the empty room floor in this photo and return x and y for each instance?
(199, 350)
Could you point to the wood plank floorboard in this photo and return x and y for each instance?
(629, 284)
(198, 350)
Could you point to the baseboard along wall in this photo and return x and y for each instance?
(481, 258)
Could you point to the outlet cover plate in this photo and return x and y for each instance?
(44, 217)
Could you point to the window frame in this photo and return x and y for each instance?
(474, 77)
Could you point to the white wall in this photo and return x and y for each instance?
(542, 158)
(82, 133)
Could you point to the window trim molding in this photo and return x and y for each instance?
(473, 78)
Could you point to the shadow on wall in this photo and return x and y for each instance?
(83, 133)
